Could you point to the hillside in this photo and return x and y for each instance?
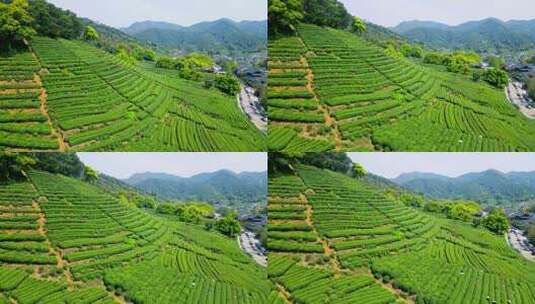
(69, 95)
(239, 191)
(335, 239)
(65, 241)
(490, 187)
(213, 36)
(331, 89)
(487, 36)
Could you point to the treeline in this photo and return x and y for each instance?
(22, 19)
(13, 165)
(284, 15)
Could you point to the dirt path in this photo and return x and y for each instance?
(325, 244)
(329, 119)
(285, 294)
(63, 146)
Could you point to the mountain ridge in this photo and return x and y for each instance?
(489, 187)
(489, 34)
(223, 33)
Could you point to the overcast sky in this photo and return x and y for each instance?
(452, 12)
(122, 13)
(451, 164)
(123, 165)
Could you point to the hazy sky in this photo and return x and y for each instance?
(123, 165)
(450, 164)
(452, 12)
(122, 13)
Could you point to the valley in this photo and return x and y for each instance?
(63, 240)
(339, 239)
(69, 234)
(357, 97)
(83, 89)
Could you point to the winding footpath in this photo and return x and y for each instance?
(519, 97)
(250, 105)
(518, 241)
(252, 246)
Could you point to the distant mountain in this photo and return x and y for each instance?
(381, 34)
(408, 177)
(406, 26)
(221, 187)
(212, 36)
(139, 27)
(488, 187)
(486, 35)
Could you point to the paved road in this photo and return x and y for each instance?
(519, 242)
(250, 105)
(252, 246)
(518, 96)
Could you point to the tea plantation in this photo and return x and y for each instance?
(336, 239)
(65, 241)
(68, 95)
(333, 90)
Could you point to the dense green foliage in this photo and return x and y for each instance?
(496, 221)
(227, 84)
(89, 248)
(330, 89)
(15, 23)
(322, 224)
(330, 13)
(284, 15)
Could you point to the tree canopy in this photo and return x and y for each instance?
(15, 22)
(496, 221)
(90, 33)
(284, 15)
(358, 25)
(327, 13)
(228, 225)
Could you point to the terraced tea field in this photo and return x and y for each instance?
(64, 241)
(67, 95)
(335, 239)
(332, 90)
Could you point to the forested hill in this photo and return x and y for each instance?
(488, 35)
(213, 36)
(349, 241)
(239, 191)
(490, 187)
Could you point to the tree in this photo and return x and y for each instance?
(90, 33)
(284, 15)
(496, 221)
(13, 164)
(358, 170)
(228, 225)
(15, 22)
(326, 13)
(227, 84)
(90, 175)
(358, 25)
(496, 77)
(496, 62)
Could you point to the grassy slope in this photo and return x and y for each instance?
(334, 86)
(96, 102)
(362, 234)
(61, 238)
